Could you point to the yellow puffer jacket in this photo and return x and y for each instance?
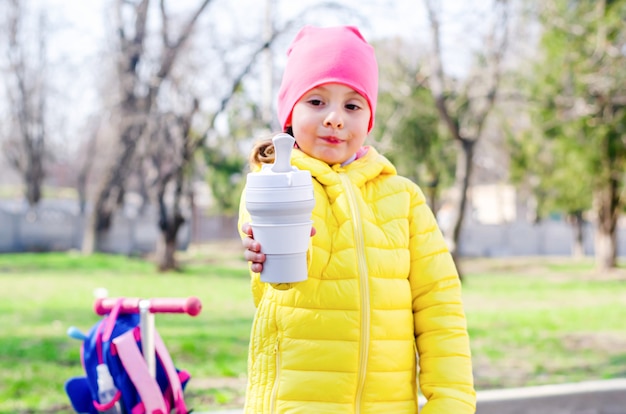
(382, 286)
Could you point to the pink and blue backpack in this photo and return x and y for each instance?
(116, 341)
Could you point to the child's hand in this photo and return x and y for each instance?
(253, 249)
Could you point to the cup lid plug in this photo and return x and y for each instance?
(283, 145)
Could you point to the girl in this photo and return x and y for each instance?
(382, 302)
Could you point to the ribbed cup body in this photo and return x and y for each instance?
(280, 200)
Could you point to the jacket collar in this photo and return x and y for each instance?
(364, 169)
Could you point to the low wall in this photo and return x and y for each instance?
(591, 397)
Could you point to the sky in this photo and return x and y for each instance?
(81, 26)
(79, 29)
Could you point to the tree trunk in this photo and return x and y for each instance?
(166, 253)
(605, 250)
(432, 191)
(111, 192)
(462, 180)
(431, 195)
(169, 224)
(577, 222)
(607, 204)
(34, 175)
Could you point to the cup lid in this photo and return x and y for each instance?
(267, 178)
(281, 173)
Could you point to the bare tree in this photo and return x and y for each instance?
(168, 154)
(171, 152)
(139, 84)
(25, 82)
(464, 111)
(410, 134)
(139, 108)
(171, 156)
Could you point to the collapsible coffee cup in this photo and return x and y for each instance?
(280, 200)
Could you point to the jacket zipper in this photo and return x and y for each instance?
(417, 369)
(364, 289)
(275, 386)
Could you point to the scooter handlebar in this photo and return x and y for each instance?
(191, 305)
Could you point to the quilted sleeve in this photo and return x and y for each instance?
(445, 375)
(256, 284)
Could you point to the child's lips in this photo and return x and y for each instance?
(332, 140)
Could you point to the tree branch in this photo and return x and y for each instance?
(164, 24)
(235, 84)
(437, 77)
(171, 51)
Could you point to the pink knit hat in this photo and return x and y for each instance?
(328, 55)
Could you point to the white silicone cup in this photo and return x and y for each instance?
(285, 268)
(283, 238)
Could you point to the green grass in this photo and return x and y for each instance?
(531, 321)
(41, 295)
(540, 321)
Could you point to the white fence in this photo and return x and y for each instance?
(58, 228)
(547, 238)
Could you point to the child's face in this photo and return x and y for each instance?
(330, 122)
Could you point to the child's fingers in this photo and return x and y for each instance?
(251, 245)
(247, 229)
(252, 252)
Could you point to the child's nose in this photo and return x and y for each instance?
(334, 119)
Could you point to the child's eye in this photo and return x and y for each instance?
(352, 107)
(315, 102)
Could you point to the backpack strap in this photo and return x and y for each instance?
(137, 369)
(110, 404)
(111, 319)
(105, 329)
(175, 386)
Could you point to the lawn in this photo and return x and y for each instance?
(532, 321)
(544, 321)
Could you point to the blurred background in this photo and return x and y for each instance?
(125, 127)
(126, 124)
